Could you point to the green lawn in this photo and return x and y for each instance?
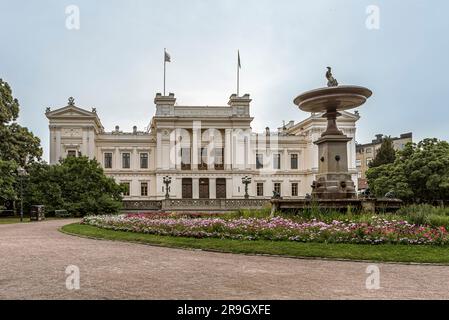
(386, 253)
(13, 220)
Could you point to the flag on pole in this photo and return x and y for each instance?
(167, 57)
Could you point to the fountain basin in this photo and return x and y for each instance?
(333, 98)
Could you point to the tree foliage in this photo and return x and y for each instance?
(9, 106)
(18, 146)
(8, 171)
(420, 173)
(386, 154)
(77, 185)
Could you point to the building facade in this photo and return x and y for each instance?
(366, 153)
(205, 150)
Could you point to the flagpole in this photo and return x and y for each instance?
(238, 73)
(165, 61)
(238, 79)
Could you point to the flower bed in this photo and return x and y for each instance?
(378, 231)
(157, 215)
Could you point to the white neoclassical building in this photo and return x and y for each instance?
(205, 150)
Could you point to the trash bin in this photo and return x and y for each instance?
(37, 213)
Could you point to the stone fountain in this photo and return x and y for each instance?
(333, 187)
(333, 180)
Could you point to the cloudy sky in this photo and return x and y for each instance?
(114, 62)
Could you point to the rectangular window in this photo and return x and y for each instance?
(185, 159)
(277, 161)
(294, 189)
(368, 161)
(126, 160)
(71, 153)
(294, 161)
(144, 189)
(259, 161)
(358, 163)
(219, 160)
(203, 159)
(277, 187)
(108, 160)
(259, 188)
(126, 186)
(144, 161)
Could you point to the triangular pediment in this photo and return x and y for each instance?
(349, 115)
(69, 112)
(72, 112)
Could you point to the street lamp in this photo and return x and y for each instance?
(167, 181)
(21, 171)
(246, 181)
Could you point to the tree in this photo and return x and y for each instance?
(77, 185)
(420, 173)
(385, 154)
(18, 146)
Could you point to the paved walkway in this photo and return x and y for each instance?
(34, 256)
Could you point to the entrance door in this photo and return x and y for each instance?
(187, 188)
(204, 188)
(221, 188)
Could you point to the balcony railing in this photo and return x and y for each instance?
(219, 166)
(186, 166)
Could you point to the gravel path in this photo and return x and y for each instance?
(34, 257)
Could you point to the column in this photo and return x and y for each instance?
(212, 188)
(159, 150)
(58, 145)
(195, 188)
(117, 163)
(173, 149)
(91, 143)
(245, 152)
(85, 147)
(178, 147)
(196, 130)
(135, 165)
(248, 150)
(285, 156)
(52, 146)
(211, 151)
(251, 154)
(227, 150)
(229, 188)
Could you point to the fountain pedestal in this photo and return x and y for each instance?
(333, 180)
